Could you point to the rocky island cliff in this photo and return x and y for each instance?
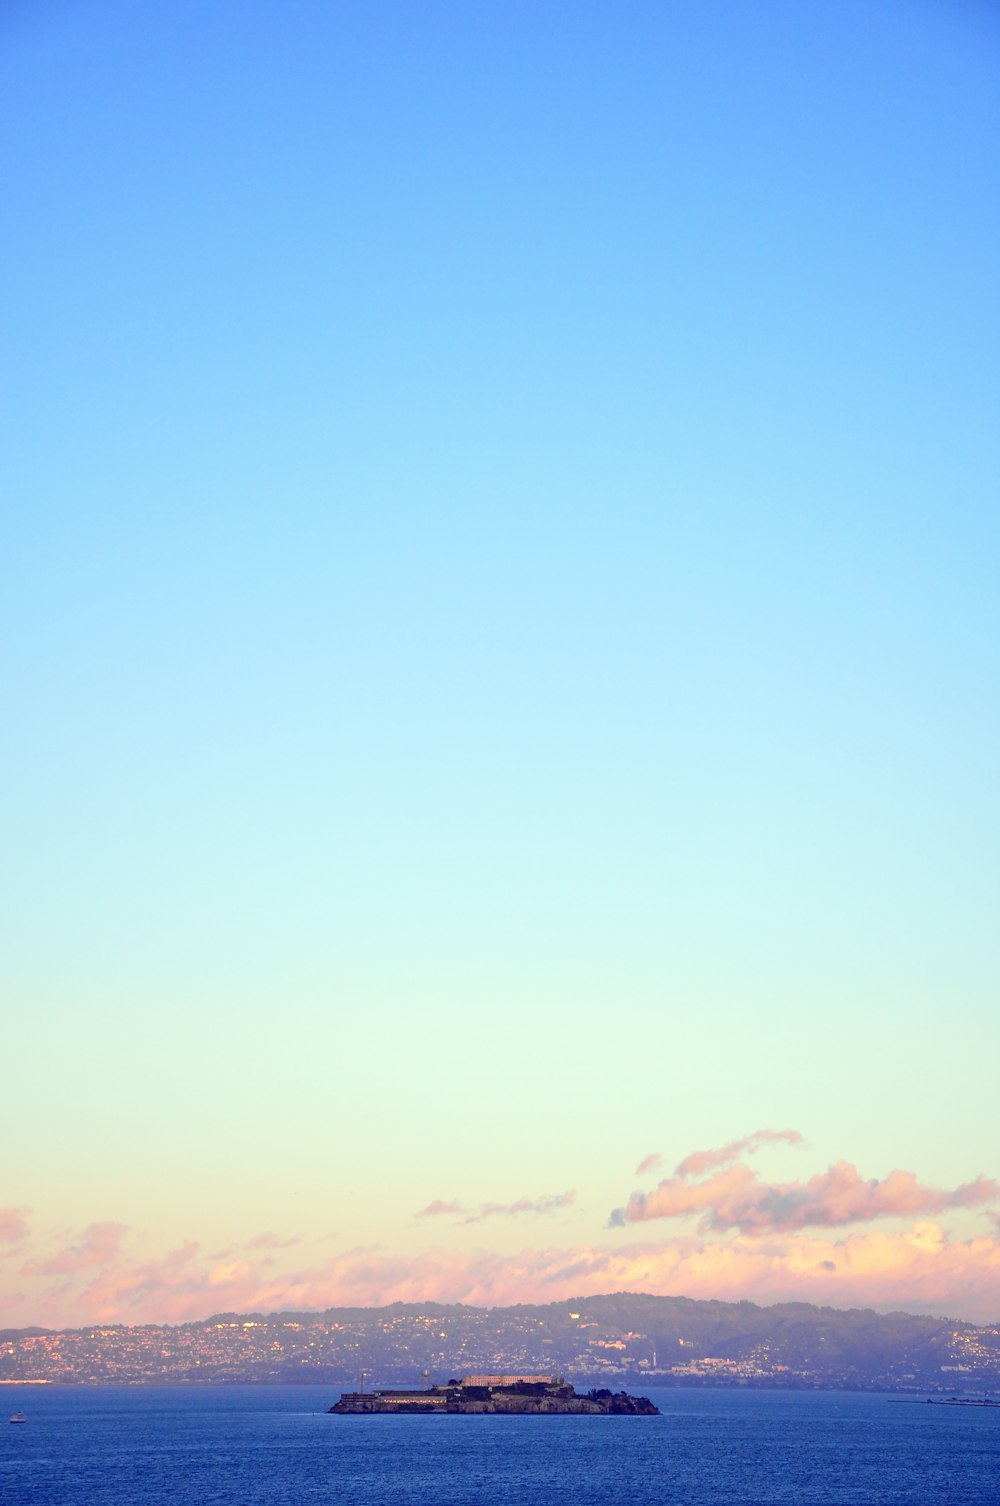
(536, 1394)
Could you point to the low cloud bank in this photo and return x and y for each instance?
(753, 1242)
(919, 1269)
(13, 1226)
(98, 1246)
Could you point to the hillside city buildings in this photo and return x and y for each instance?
(604, 1341)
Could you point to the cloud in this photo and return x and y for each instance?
(231, 1273)
(97, 1245)
(735, 1198)
(13, 1226)
(652, 1162)
(132, 1291)
(700, 1161)
(920, 1269)
(765, 1241)
(549, 1202)
(269, 1241)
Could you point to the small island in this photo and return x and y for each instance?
(541, 1395)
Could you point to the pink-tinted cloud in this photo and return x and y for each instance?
(98, 1245)
(649, 1163)
(919, 1269)
(127, 1289)
(13, 1226)
(549, 1202)
(752, 1243)
(735, 1198)
(700, 1161)
(269, 1241)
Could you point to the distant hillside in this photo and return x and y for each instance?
(622, 1336)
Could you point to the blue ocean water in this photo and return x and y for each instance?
(276, 1446)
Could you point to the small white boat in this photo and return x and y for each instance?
(18, 1417)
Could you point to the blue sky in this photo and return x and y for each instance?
(499, 611)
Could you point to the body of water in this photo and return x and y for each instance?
(276, 1446)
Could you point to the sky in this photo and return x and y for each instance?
(499, 639)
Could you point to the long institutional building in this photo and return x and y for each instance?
(439, 1396)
